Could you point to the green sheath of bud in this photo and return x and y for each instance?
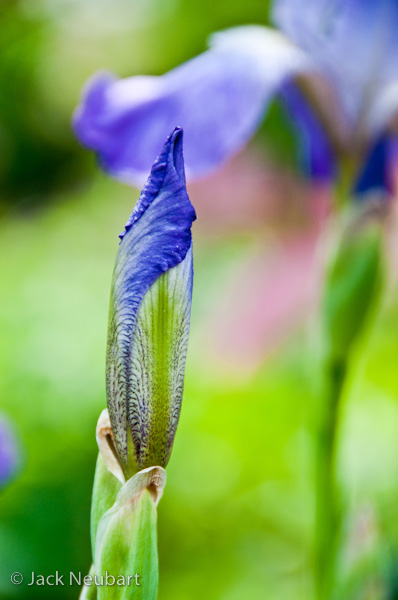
(158, 354)
(105, 490)
(126, 541)
(145, 412)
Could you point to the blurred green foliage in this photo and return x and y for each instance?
(236, 518)
(37, 148)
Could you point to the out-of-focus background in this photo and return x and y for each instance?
(237, 517)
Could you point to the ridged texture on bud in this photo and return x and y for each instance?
(150, 315)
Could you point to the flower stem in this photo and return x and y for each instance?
(348, 173)
(328, 502)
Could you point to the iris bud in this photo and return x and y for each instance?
(150, 315)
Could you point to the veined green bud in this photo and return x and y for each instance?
(353, 281)
(150, 315)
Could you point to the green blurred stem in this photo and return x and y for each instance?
(328, 502)
(348, 172)
(351, 289)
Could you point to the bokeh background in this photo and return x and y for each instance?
(237, 517)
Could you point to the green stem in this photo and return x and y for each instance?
(352, 284)
(328, 502)
(348, 172)
(328, 516)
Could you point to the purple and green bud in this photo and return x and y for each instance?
(150, 315)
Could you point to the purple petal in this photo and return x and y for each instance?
(218, 98)
(316, 153)
(376, 173)
(9, 454)
(157, 237)
(353, 43)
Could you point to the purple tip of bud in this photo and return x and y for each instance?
(168, 165)
(9, 452)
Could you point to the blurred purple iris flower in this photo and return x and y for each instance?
(334, 62)
(9, 453)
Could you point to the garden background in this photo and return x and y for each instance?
(236, 520)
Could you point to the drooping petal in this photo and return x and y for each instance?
(218, 98)
(149, 315)
(353, 44)
(316, 153)
(9, 453)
